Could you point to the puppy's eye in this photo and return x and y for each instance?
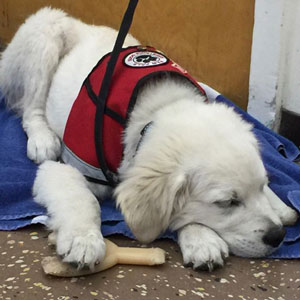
(227, 203)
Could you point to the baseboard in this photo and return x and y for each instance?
(290, 126)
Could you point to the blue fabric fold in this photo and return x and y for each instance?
(17, 172)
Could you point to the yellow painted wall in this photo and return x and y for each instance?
(210, 38)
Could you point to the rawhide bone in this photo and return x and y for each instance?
(52, 265)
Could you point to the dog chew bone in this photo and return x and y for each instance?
(52, 265)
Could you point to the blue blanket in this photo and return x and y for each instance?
(17, 172)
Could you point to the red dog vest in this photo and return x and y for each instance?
(134, 67)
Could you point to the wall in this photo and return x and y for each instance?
(265, 61)
(290, 79)
(210, 38)
(275, 63)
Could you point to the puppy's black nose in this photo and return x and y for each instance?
(274, 236)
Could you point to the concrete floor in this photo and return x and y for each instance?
(21, 276)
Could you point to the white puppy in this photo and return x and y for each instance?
(198, 170)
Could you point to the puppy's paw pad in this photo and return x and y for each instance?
(204, 257)
(204, 252)
(81, 249)
(208, 266)
(43, 145)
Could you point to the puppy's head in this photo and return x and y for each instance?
(201, 167)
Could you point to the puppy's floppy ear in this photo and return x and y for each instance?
(148, 197)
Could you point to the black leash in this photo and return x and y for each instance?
(143, 132)
(103, 93)
(124, 28)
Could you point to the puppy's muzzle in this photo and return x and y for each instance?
(274, 236)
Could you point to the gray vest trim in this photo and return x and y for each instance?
(70, 158)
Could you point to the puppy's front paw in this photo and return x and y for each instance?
(288, 216)
(80, 247)
(43, 145)
(202, 248)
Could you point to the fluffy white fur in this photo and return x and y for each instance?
(197, 171)
(74, 213)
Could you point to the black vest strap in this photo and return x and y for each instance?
(102, 96)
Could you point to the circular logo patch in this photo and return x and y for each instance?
(142, 59)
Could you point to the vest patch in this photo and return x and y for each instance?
(142, 59)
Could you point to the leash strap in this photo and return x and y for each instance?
(144, 131)
(103, 93)
(124, 28)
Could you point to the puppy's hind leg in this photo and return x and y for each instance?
(26, 69)
(74, 213)
(287, 215)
